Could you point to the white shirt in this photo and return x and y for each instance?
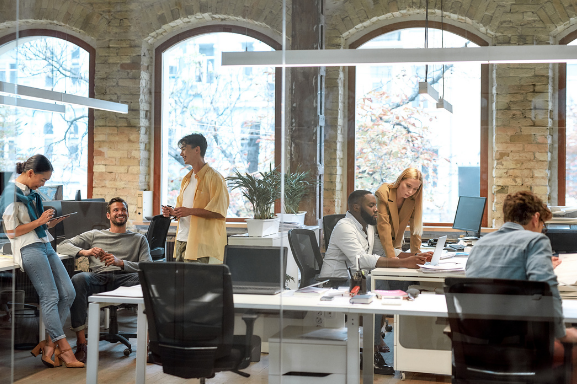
(15, 215)
(187, 201)
(348, 240)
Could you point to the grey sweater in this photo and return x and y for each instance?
(130, 247)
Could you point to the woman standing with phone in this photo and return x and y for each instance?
(26, 224)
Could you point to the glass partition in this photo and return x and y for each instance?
(291, 143)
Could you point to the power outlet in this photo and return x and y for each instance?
(319, 319)
(329, 315)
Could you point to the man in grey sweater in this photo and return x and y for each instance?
(113, 255)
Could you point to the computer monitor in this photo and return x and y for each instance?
(4, 178)
(253, 264)
(89, 215)
(562, 237)
(51, 192)
(469, 214)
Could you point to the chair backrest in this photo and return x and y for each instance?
(190, 312)
(156, 235)
(500, 329)
(329, 222)
(306, 252)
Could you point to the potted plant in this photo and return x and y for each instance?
(295, 186)
(261, 190)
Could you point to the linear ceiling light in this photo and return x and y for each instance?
(427, 92)
(31, 104)
(354, 57)
(59, 97)
(444, 104)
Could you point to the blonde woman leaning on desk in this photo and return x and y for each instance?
(26, 224)
(400, 204)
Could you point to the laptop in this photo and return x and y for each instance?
(256, 270)
(438, 251)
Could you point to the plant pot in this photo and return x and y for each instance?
(292, 217)
(260, 228)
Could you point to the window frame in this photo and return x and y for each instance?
(562, 124)
(351, 105)
(37, 32)
(157, 97)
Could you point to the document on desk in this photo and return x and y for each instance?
(134, 291)
(567, 271)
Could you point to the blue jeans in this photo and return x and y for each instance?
(89, 283)
(48, 275)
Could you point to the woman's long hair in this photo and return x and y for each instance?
(412, 173)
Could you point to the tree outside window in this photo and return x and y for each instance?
(395, 129)
(233, 108)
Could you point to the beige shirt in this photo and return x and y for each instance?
(15, 215)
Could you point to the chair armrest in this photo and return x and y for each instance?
(249, 318)
(447, 330)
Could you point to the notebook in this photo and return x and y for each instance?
(438, 251)
(256, 270)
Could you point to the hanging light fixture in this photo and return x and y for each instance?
(442, 103)
(18, 94)
(426, 90)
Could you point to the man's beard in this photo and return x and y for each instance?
(368, 218)
(119, 224)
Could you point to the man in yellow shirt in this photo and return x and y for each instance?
(200, 207)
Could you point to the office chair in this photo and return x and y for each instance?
(156, 236)
(502, 331)
(306, 252)
(190, 314)
(329, 222)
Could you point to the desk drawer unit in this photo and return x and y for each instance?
(304, 360)
(421, 345)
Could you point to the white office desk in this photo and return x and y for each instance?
(427, 305)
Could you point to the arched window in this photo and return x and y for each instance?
(567, 132)
(234, 108)
(58, 62)
(394, 127)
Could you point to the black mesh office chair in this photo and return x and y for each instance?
(329, 222)
(156, 236)
(190, 314)
(502, 331)
(306, 252)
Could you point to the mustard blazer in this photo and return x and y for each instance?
(391, 223)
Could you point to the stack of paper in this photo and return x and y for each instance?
(443, 267)
(134, 291)
(312, 291)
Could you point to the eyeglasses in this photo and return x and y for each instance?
(544, 230)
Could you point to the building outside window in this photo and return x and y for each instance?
(57, 65)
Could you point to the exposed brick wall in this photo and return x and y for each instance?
(523, 132)
(125, 32)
